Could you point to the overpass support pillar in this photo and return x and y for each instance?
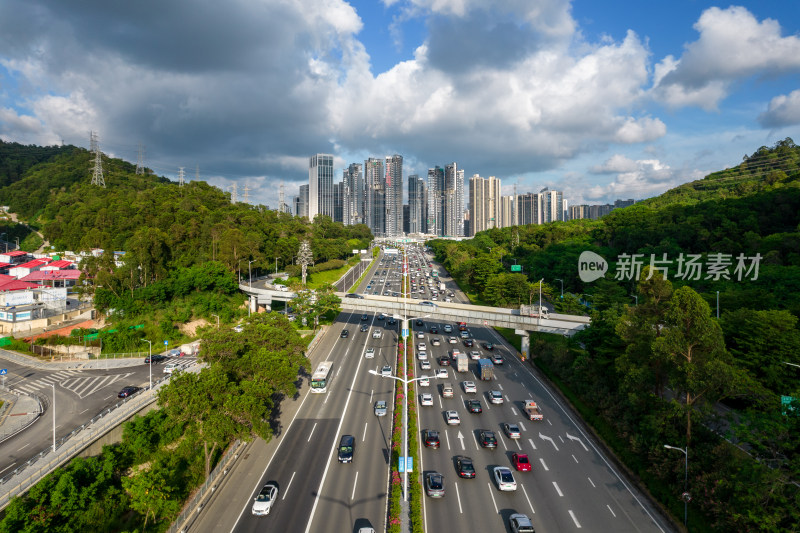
(525, 344)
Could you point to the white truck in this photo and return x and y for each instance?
(534, 311)
(190, 349)
(442, 286)
(462, 362)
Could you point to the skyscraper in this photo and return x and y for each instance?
(435, 192)
(320, 185)
(302, 202)
(338, 202)
(484, 204)
(353, 203)
(375, 183)
(394, 195)
(416, 199)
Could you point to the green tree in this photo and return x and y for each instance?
(150, 495)
(692, 342)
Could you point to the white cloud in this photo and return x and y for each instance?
(732, 45)
(616, 163)
(784, 110)
(638, 179)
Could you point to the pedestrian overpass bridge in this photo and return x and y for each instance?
(410, 309)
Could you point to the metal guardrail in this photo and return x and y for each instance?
(26, 475)
(11, 428)
(196, 504)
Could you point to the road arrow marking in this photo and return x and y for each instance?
(570, 437)
(543, 437)
(461, 438)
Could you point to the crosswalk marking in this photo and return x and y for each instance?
(74, 381)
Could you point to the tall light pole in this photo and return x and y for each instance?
(54, 416)
(717, 304)
(150, 358)
(685, 496)
(250, 272)
(637, 298)
(276, 266)
(562, 287)
(539, 318)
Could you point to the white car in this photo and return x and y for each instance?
(436, 342)
(441, 373)
(448, 328)
(504, 478)
(422, 346)
(425, 365)
(421, 335)
(370, 353)
(386, 370)
(469, 386)
(422, 355)
(496, 397)
(376, 334)
(263, 502)
(426, 398)
(475, 354)
(452, 418)
(424, 382)
(452, 340)
(169, 368)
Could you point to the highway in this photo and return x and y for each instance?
(571, 487)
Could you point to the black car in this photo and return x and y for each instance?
(128, 391)
(488, 440)
(364, 327)
(392, 321)
(488, 346)
(431, 438)
(420, 322)
(444, 361)
(465, 468)
(364, 317)
(434, 330)
(345, 333)
(155, 359)
(469, 343)
(354, 295)
(474, 406)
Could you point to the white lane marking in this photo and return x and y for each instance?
(519, 446)
(461, 438)
(491, 493)
(20, 449)
(545, 437)
(312, 432)
(558, 490)
(533, 511)
(338, 372)
(514, 411)
(500, 386)
(458, 497)
(577, 524)
(549, 422)
(611, 511)
(507, 398)
(89, 383)
(363, 438)
(108, 397)
(561, 439)
(532, 444)
(355, 481)
(6, 468)
(570, 437)
(370, 395)
(289, 485)
(543, 465)
(474, 438)
(500, 436)
(83, 411)
(447, 436)
(592, 482)
(522, 426)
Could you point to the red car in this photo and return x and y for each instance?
(521, 462)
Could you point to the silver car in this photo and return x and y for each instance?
(380, 408)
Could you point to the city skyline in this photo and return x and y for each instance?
(600, 101)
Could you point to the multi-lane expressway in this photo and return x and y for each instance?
(573, 485)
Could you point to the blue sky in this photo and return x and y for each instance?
(604, 100)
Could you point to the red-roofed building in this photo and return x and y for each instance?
(20, 271)
(16, 285)
(14, 257)
(53, 278)
(61, 264)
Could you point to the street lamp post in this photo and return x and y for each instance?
(562, 287)
(636, 297)
(150, 358)
(250, 272)
(539, 319)
(54, 416)
(685, 496)
(717, 304)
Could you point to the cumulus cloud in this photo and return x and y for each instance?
(732, 45)
(784, 110)
(640, 178)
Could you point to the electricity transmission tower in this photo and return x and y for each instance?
(304, 257)
(234, 196)
(97, 172)
(181, 177)
(281, 205)
(246, 193)
(140, 160)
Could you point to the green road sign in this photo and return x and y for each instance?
(516, 268)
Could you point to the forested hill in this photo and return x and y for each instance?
(16, 159)
(162, 224)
